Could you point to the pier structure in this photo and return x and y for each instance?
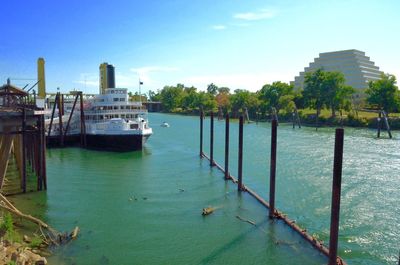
(58, 127)
(22, 142)
(274, 214)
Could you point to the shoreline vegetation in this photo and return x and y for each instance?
(25, 239)
(308, 119)
(324, 100)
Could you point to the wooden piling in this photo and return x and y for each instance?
(70, 116)
(240, 154)
(43, 154)
(60, 123)
(336, 190)
(83, 125)
(52, 115)
(227, 146)
(24, 145)
(379, 124)
(201, 132)
(274, 126)
(211, 139)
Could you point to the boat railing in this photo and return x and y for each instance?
(115, 111)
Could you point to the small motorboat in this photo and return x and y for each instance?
(164, 124)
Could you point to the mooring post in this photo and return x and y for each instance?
(272, 174)
(24, 150)
(293, 119)
(336, 189)
(44, 173)
(211, 139)
(83, 125)
(379, 124)
(60, 123)
(227, 146)
(240, 154)
(201, 132)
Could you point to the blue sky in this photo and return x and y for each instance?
(235, 43)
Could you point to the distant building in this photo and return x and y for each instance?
(107, 77)
(357, 68)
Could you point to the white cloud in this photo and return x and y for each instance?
(262, 14)
(219, 27)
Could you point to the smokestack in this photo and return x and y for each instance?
(41, 78)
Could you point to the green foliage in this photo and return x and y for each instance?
(271, 95)
(212, 89)
(244, 99)
(35, 243)
(326, 89)
(171, 97)
(7, 227)
(7, 224)
(384, 93)
(11, 262)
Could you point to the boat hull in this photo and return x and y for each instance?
(119, 142)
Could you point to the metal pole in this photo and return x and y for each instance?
(60, 123)
(44, 173)
(379, 124)
(201, 132)
(83, 126)
(227, 146)
(23, 149)
(240, 154)
(52, 114)
(336, 189)
(272, 176)
(70, 116)
(212, 139)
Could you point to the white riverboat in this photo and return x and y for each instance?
(115, 123)
(112, 122)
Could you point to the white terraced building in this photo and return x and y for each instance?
(357, 68)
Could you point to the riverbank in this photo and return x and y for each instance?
(308, 119)
(19, 243)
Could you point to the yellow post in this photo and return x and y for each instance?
(103, 78)
(41, 78)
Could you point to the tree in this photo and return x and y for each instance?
(337, 94)
(212, 89)
(171, 97)
(271, 95)
(384, 93)
(244, 99)
(313, 92)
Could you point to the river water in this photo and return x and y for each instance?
(145, 207)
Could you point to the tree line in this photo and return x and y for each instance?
(321, 89)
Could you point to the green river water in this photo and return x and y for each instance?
(145, 207)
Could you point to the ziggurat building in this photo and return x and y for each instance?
(357, 68)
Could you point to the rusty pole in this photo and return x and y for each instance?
(43, 154)
(83, 125)
(227, 146)
(60, 123)
(24, 149)
(212, 139)
(336, 189)
(201, 133)
(379, 124)
(272, 176)
(70, 116)
(240, 154)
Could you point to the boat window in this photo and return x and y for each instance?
(115, 99)
(123, 116)
(134, 126)
(115, 107)
(121, 99)
(101, 117)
